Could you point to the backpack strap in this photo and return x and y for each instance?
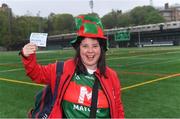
(93, 107)
(59, 70)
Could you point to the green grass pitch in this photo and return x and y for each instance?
(150, 80)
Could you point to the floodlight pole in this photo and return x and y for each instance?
(151, 2)
(139, 38)
(39, 20)
(91, 4)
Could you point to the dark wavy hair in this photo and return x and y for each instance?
(101, 64)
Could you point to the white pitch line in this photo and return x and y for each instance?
(134, 56)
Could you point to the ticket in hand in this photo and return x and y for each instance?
(39, 39)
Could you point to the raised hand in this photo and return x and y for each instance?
(29, 49)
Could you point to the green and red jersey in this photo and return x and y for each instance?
(77, 98)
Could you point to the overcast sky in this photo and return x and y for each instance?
(76, 7)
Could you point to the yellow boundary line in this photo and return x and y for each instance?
(125, 88)
(21, 82)
(151, 81)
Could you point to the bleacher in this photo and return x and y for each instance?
(160, 43)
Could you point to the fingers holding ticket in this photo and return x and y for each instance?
(29, 49)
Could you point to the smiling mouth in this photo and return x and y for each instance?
(90, 57)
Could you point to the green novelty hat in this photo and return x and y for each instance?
(89, 26)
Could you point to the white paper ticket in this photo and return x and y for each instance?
(39, 39)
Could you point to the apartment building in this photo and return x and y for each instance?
(170, 13)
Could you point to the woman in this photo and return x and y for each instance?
(79, 75)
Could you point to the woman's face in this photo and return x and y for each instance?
(90, 52)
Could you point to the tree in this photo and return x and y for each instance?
(145, 15)
(3, 26)
(21, 27)
(124, 20)
(16, 30)
(61, 23)
(154, 17)
(110, 20)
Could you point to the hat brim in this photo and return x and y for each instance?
(79, 38)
